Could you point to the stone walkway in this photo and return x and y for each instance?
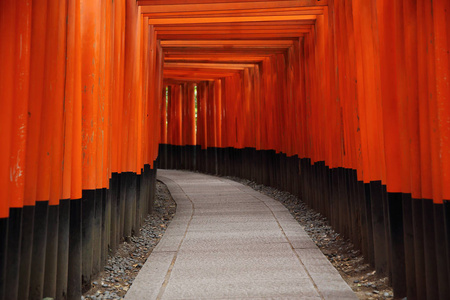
(228, 241)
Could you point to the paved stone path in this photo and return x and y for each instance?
(228, 241)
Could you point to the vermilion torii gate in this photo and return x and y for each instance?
(345, 103)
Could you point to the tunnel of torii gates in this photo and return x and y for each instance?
(344, 103)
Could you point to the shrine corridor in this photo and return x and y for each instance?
(342, 103)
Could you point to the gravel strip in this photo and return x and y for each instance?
(349, 262)
(123, 267)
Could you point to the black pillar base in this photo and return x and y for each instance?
(39, 250)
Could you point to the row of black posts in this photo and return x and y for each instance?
(406, 239)
(56, 250)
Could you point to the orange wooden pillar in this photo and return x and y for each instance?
(8, 16)
(170, 127)
(164, 128)
(442, 213)
(441, 141)
(163, 112)
(15, 69)
(151, 79)
(159, 82)
(363, 68)
(211, 129)
(129, 118)
(90, 37)
(442, 45)
(257, 107)
(37, 64)
(390, 69)
(369, 108)
(175, 124)
(202, 129)
(218, 112)
(177, 115)
(58, 14)
(187, 123)
(106, 68)
(170, 111)
(188, 119)
(424, 31)
(50, 154)
(411, 57)
(69, 273)
(118, 48)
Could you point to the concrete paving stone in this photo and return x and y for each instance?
(277, 298)
(315, 259)
(227, 246)
(213, 189)
(228, 195)
(287, 222)
(331, 286)
(223, 208)
(281, 217)
(302, 243)
(222, 201)
(275, 207)
(183, 216)
(237, 228)
(245, 270)
(212, 242)
(292, 233)
(246, 251)
(169, 243)
(259, 212)
(176, 231)
(212, 289)
(184, 213)
(148, 282)
(239, 219)
(204, 204)
(236, 235)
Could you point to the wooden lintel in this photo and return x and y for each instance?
(207, 5)
(223, 66)
(228, 19)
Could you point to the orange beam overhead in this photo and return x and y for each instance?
(238, 13)
(229, 19)
(227, 44)
(207, 66)
(238, 36)
(206, 58)
(181, 6)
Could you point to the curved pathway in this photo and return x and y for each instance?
(228, 241)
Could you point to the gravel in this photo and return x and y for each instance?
(121, 269)
(349, 262)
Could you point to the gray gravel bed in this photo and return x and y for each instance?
(121, 269)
